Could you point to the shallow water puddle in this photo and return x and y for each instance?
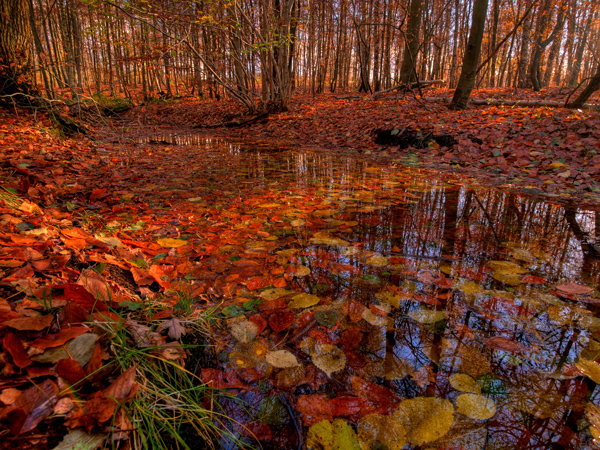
(380, 307)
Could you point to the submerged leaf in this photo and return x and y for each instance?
(328, 358)
(591, 369)
(427, 315)
(376, 430)
(465, 383)
(426, 419)
(281, 359)
(338, 435)
(478, 407)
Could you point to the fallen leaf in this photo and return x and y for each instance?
(281, 359)
(171, 242)
(338, 435)
(425, 419)
(575, 289)
(328, 358)
(478, 407)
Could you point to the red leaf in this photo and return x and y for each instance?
(255, 283)
(506, 345)
(314, 408)
(70, 371)
(221, 380)
(532, 279)
(428, 300)
(574, 289)
(13, 345)
(33, 406)
(379, 395)
(58, 339)
(122, 386)
(259, 321)
(82, 297)
(281, 320)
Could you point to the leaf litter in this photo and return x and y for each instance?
(308, 299)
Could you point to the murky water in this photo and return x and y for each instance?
(417, 286)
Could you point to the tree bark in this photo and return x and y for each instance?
(411, 42)
(471, 58)
(15, 51)
(592, 87)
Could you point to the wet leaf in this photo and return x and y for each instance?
(244, 331)
(272, 411)
(274, 294)
(427, 316)
(377, 261)
(575, 289)
(328, 358)
(303, 301)
(302, 271)
(30, 323)
(464, 383)
(338, 435)
(478, 407)
(506, 267)
(281, 359)
(396, 368)
(505, 276)
(591, 369)
(375, 430)
(327, 318)
(426, 419)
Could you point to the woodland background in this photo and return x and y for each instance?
(259, 52)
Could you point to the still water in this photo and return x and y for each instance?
(380, 306)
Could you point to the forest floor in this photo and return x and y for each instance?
(91, 226)
(550, 151)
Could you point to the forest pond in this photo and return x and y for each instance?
(380, 306)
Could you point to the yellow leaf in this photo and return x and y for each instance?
(476, 406)
(303, 301)
(375, 429)
(172, 243)
(426, 419)
(465, 383)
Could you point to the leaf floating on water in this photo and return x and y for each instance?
(378, 261)
(426, 316)
(574, 289)
(396, 368)
(591, 369)
(297, 223)
(507, 277)
(323, 238)
(375, 319)
(274, 294)
(470, 288)
(506, 266)
(303, 301)
(392, 298)
(328, 358)
(281, 359)
(302, 271)
(338, 435)
(478, 407)
(377, 431)
(171, 243)
(505, 345)
(592, 351)
(465, 383)
(592, 413)
(426, 419)
(272, 411)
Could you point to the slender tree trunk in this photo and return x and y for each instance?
(471, 58)
(592, 87)
(411, 42)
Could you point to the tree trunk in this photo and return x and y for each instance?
(471, 58)
(411, 42)
(15, 52)
(592, 87)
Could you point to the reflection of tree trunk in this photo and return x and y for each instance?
(587, 242)
(450, 218)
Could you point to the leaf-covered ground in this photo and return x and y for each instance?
(353, 301)
(541, 150)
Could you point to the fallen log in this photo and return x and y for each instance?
(513, 103)
(409, 86)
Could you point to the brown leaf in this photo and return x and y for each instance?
(30, 323)
(575, 289)
(122, 386)
(506, 345)
(33, 406)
